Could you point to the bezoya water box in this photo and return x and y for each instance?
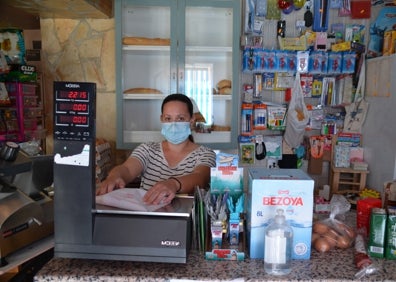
(272, 189)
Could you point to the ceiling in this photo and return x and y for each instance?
(66, 9)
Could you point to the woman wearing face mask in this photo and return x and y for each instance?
(175, 165)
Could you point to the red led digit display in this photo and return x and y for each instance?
(73, 95)
(72, 107)
(72, 120)
(74, 111)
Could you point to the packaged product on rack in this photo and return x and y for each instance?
(13, 45)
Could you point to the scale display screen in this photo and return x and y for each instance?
(74, 113)
(73, 95)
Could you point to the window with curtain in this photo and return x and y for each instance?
(199, 86)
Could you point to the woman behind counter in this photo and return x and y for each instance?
(175, 165)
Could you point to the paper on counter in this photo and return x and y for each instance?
(127, 198)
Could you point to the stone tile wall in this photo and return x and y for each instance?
(84, 51)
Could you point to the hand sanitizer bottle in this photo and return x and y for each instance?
(278, 243)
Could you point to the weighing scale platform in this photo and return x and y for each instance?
(163, 235)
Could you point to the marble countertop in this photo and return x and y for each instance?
(335, 265)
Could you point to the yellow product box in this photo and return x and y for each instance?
(343, 46)
(389, 43)
(293, 43)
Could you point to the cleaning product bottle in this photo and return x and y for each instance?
(278, 243)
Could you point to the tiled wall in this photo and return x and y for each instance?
(81, 51)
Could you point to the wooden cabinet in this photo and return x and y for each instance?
(176, 46)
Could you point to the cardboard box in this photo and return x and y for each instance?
(341, 156)
(271, 189)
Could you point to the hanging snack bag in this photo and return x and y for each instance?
(13, 45)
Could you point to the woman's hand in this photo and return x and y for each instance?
(120, 176)
(162, 192)
(111, 183)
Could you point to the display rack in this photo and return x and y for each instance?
(22, 120)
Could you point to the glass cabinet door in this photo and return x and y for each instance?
(208, 39)
(183, 46)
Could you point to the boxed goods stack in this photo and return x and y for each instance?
(103, 159)
(272, 189)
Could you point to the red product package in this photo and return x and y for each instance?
(364, 207)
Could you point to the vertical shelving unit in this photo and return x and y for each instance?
(23, 119)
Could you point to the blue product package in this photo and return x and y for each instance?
(281, 58)
(248, 60)
(268, 80)
(317, 62)
(386, 20)
(348, 62)
(261, 8)
(272, 61)
(261, 60)
(257, 58)
(321, 15)
(291, 61)
(334, 62)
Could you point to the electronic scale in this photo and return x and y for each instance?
(86, 230)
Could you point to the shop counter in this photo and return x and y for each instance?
(335, 265)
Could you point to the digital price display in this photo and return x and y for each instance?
(72, 107)
(72, 120)
(73, 95)
(74, 115)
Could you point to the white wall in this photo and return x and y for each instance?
(379, 128)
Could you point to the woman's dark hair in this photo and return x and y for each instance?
(181, 98)
(178, 97)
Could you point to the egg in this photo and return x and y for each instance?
(314, 237)
(322, 245)
(320, 228)
(343, 242)
(332, 237)
(350, 232)
(345, 229)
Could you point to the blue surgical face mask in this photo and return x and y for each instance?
(176, 132)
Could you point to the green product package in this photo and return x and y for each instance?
(390, 242)
(376, 245)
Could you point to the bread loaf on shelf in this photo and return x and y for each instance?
(223, 84)
(129, 40)
(224, 87)
(225, 90)
(142, 90)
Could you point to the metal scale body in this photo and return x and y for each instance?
(86, 230)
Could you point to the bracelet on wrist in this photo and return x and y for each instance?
(178, 181)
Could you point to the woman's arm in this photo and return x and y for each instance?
(165, 191)
(120, 175)
(199, 177)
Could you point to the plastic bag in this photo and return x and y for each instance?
(361, 258)
(333, 233)
(297, 116)
(355, 116)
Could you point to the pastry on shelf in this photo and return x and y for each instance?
(131, 40)
(224, 87)
(142, 90)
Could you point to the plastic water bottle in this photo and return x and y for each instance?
(278, 245)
